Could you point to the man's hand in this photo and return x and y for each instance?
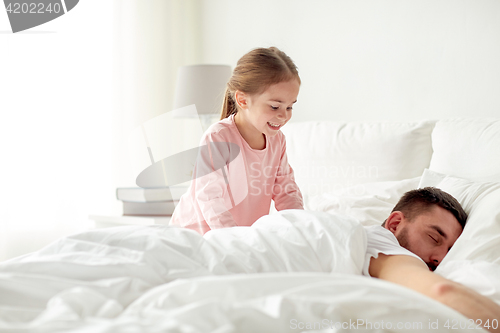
(414, 274)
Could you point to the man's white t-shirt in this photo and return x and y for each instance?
(381, 240)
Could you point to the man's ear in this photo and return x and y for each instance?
(394, 220)
(241, 99)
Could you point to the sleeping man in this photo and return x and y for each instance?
(416, 236)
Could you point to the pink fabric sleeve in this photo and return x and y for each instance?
(211, 188)
(286, 193)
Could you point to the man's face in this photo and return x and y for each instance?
(430, 235)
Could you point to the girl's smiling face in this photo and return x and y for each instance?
(267, 112)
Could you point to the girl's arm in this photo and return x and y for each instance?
(286, 193)
(211, 182)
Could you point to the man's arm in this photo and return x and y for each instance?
(414, 274)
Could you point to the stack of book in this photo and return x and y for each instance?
(157, 201)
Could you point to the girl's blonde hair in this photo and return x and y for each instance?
(255, 72)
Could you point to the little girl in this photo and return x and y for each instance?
(245, 152)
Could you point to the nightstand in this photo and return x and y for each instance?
(101, 221)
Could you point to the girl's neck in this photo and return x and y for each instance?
(254, 138)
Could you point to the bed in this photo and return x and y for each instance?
(292, 271)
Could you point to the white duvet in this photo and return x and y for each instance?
(290, 272)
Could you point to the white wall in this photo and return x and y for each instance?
(371, 59)
(56, 126)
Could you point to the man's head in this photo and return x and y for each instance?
(427, 222)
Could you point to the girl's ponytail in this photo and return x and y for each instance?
(228, 106)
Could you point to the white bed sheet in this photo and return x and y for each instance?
(294, 271)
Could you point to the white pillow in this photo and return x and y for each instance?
(370, 203)
(480, 240)
(327, 156)
(467, 148)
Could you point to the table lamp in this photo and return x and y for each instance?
(199, 94)
(204, 86)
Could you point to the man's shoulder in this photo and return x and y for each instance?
(377, 232)
(382, 241)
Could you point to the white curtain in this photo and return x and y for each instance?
(152, 39)
(70, 91)
(55, 108)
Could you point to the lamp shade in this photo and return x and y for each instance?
(201, 85)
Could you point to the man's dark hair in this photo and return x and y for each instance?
(416, 202)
